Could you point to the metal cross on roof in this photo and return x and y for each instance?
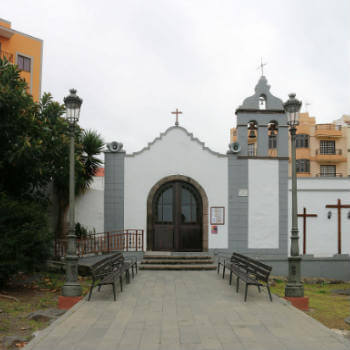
(261, 66)
(177, 112)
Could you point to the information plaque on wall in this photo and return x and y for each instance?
(217, 215)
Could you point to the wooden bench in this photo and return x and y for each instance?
(110, 270)
(249, 270)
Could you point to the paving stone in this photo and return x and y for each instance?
(177, 310)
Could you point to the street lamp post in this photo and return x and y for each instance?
(72, 286)
(294, 287)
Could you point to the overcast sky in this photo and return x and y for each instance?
(133, 62)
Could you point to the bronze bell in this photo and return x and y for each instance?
(252, 134)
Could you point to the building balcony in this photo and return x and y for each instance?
(330, 156)
(329, 175)
(7, 55)
(328, 130)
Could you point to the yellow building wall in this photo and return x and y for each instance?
(28, 46)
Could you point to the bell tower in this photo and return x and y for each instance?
(258, 176)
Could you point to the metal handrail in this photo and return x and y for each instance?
(330, 152)
(328, 127)
(105, 242)
(330, 175)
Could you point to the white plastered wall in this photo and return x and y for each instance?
(263, 204)
(89, 206)
(176, 152)
(322, 233)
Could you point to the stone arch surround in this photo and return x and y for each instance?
(203, 195)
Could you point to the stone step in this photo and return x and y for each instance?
(178, 257)
(174, 267)
(177, 261)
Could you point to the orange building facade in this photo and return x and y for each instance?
(322, 150)
(26, 52)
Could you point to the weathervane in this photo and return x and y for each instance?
(261, 66)
(177, 112)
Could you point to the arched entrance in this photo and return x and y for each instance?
(177, 216)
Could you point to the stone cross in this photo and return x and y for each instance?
(177, 112)
(304, 216)
(338, 206)
(261, 66)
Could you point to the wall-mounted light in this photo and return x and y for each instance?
(329, 214)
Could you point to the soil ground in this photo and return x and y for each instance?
(25, 294)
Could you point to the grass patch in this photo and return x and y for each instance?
(33, 292)
(328, 308)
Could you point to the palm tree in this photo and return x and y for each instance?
(89, 145)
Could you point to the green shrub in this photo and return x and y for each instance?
(25, 241)
(80, 231)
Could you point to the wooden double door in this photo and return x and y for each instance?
(177, 218)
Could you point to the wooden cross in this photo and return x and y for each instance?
(261, 66)
(304, 216)
(338, 206)
(177, 112)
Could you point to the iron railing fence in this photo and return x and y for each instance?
(105, 242)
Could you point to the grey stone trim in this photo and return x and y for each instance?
(262, 88)
(283, 140)
(114, 191)
(324, 267)
(237, 212)
(322, 189)
(202, 144)
(238, 208)
(263, 142)
(257, 157)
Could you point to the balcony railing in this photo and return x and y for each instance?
(7, 55)
(328, 127)
(106, 242)
(328, 130)
(329, 175)
(329, 152)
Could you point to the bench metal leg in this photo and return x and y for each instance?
(121, 282)
(268, 289)
(90, 292)
(259, 289)
(218, 270)
(136, 266)
(230, 278)
(223, 271)
(132, 271)
(114, 293)
(237, 284)
(246, 291)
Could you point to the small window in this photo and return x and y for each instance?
(302, 141)
(188, 206)
(303, 165)
(23, 63)
(328, 170)
(327, 147)
(272, 141)
(262, 102)
(165, 206)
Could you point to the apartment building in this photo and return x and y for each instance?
(322, 150)
(26, 52)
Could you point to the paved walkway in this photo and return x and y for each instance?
(185, 310)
